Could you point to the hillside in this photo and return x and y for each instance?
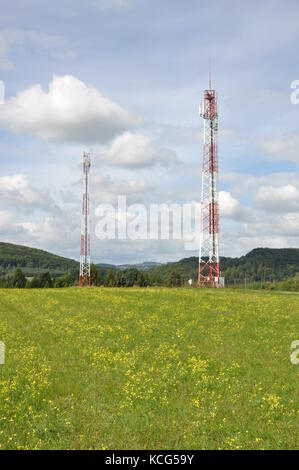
(261, 264)
(32, 260)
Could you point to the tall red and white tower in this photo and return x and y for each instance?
(84, 278)
(209, 266)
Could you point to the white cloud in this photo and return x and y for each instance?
(15, 191)
(269, 225)
(277, 199)
(246, 181)
(69, 111)
(229, 207)
(131, 150)
(290, 224)
(59, 233)
(273, 221)
(283, 147)
(6, 220)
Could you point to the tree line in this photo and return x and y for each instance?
(109, 278)
(133, 277)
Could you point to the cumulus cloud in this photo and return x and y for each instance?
(131, 150)
(49, 230)
(69, 111)
(290, 224)
(229, 207)
(58, 233)
(238, 244)
(15, 191)
(282, 199)
(279, 225)
(244, 184)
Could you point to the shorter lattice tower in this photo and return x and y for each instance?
(84, 277)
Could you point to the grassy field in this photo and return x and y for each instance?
(152, 368)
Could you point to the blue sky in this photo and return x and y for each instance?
(150, 60)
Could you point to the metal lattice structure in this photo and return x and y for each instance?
(209, 265)
(84, 277)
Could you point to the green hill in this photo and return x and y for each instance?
(32, 260)
(261, 264)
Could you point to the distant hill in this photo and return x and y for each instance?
(145, 266)
(106, 266)
(32, 260)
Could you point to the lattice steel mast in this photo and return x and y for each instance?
(84, 278)
(209, 266)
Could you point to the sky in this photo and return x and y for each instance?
(123, 80)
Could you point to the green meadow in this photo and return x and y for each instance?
(148, 369)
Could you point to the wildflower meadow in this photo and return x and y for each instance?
(148, 368)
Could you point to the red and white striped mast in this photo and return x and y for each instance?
(84, 278)
(209, 265)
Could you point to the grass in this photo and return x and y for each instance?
(152, 368)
